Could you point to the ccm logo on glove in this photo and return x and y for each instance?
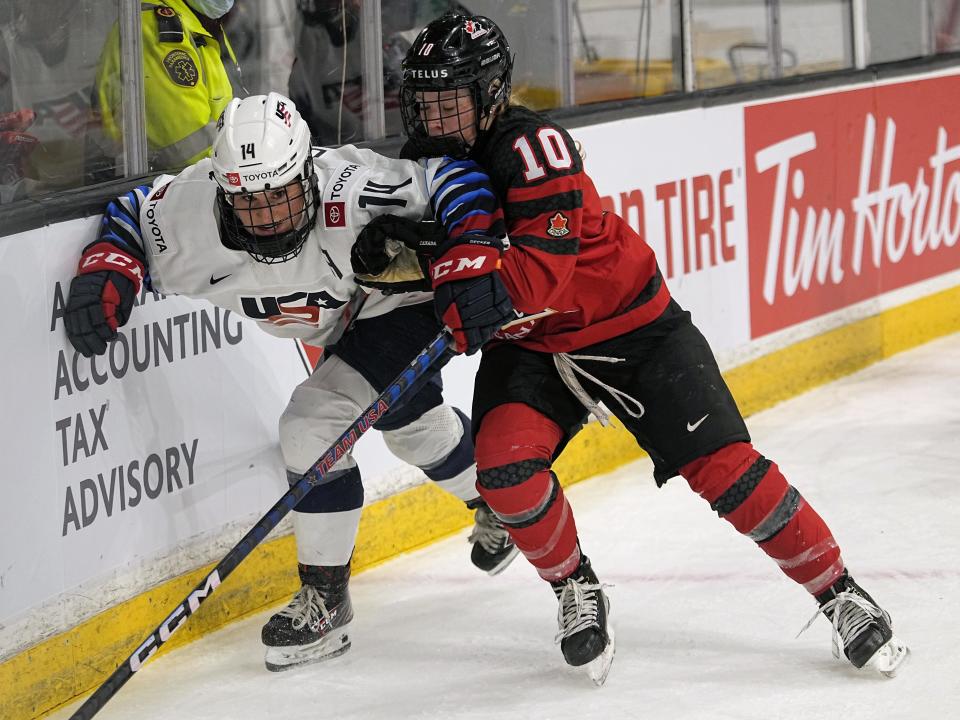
(465, 261)
(95, 260)
(446, 267)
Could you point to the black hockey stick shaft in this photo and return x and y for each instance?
(435, 355)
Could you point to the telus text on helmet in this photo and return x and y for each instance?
(427, 74)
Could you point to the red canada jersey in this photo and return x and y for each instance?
(566, 254)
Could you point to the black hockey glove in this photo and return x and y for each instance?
(392, 254)
(473, 310)
(101, 297)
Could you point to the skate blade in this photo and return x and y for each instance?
(888, 659)
(502, 565)
(599, 667)
(278, 659)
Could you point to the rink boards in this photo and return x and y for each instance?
(809, 236)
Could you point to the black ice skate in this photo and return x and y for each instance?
(313, 627)
(861, 628)
(493, 549)
(585, 635)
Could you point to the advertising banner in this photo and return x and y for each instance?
(146, 453)
(850, 194)
(678, 180)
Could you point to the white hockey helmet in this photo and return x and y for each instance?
(262, 162)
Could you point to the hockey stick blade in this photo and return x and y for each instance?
(435, 355)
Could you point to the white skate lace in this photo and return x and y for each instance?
(852, 614)
(306, 608)
(487, 531)
(578, 607)
(568, 368)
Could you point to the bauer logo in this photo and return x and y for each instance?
(334, 214)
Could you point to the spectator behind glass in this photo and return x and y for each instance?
(48, 58)
(186, 85)
(329, 38)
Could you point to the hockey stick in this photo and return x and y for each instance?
(435, 355)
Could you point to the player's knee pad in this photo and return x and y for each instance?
(744, 488)
(320, 409)
(325, 521)
(514, 447)
(440, 443)
(423, 396)
(515, 431)
(428, 440)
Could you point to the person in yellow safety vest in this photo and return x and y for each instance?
(186, 86)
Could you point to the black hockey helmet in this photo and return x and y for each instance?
(467, 53)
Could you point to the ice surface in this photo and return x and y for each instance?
(705, 622)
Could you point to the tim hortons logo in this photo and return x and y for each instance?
(233, 179)
(891, 220)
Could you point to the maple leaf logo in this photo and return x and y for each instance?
(558, 226)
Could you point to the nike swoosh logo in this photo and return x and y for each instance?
(693, 426)
(215, 280)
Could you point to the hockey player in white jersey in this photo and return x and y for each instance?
(264, 227)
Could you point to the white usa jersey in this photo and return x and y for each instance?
(306, 296)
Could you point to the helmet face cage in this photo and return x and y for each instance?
(245, 224)
(468, 54)
(460, 129)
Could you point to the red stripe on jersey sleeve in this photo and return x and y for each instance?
(480, 223)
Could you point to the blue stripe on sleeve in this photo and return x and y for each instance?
(467, 197)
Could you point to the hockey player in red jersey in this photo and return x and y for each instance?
(602, 326)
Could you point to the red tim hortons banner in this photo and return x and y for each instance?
(849, 195)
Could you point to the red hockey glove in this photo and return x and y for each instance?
(101, 297)
(469, 296)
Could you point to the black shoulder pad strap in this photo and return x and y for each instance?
(169, 25)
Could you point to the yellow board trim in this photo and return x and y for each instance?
(60, 669)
